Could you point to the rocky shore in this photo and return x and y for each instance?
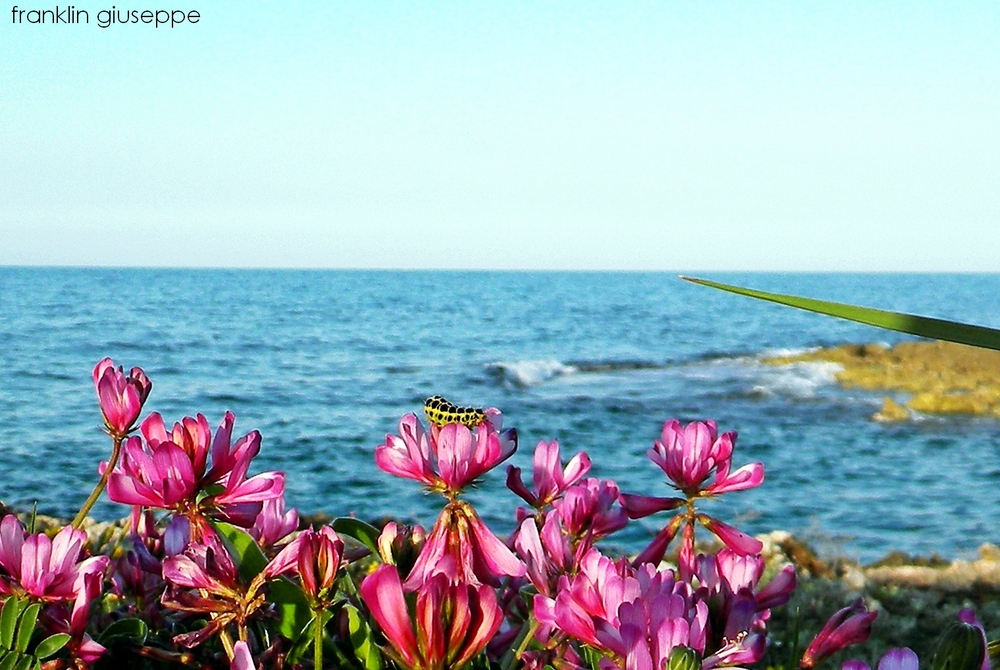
(928, 377)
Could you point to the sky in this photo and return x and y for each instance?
(757, 136)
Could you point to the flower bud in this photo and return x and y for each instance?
(400, 544)
(683, 658)
(849, 626)
(962, 647)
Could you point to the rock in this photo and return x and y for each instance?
(942, 377)
(891, 411)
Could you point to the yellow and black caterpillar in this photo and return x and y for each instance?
(440, 412)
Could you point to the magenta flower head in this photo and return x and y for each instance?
(690, 454)
(121, 396)
(46, 570)
(453, 620)
(637, 617)
(204, 580)
(549, 477)
(169, 470)
(273, 524)
(315, 556)
(849, 626)
(464, 547)
(448, 458)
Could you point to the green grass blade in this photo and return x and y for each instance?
(938, 329)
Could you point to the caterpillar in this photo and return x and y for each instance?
(440, 412)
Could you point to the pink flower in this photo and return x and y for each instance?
(461, 544)
(273, 523)
(849, 626)
(590, 509)
(728, 583)
(81, 646)
(204, 580)
(168, 470)
(121, 396)
(451, 623)
(549, 478)
(586, 513)
(449, 457)
(315, 556)
(48, 570)
(638, 617)
(242, 660)
(690, 454)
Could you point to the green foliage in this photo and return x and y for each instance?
(938, 329)
(125, 631)
(17, 631)
(364, 533)
(365, 649)
(247, 556)
(294, 613)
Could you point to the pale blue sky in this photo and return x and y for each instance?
(566, 135)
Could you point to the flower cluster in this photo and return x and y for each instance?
(212, 570)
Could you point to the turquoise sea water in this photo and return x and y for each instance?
(324, 363)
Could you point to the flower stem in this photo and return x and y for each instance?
(318, 640)
(99, 489)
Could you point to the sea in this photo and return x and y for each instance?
(324, 364)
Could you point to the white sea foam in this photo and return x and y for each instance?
(798, 380)
(529, 372)
(787, 352)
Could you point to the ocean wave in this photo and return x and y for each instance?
(528, 372)
(787, 352)
(798, 380)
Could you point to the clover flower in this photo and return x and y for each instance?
(549, 478)
(689, 455)
(448, 458)
(169, 470)
(46, 570)
(315, 556)
(204, 580)
(121, 396)
(450, 624)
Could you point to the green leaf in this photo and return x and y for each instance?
(365, 649)
(962, 647)
(247, 556)
(301, 643)
(51, 645)
(130, 631)
(8, 621)
(363, 532)
(27, 627)
(26, 662)
(938, 329)
(294, 613)
(9, 660)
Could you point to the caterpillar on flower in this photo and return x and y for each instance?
(440, 412)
